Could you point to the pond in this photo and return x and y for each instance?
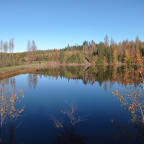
(73, 105)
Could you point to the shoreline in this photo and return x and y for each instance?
(16, 70)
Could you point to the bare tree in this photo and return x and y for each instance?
(1, 54)
(12, 44)
(137, 39)
(137, 42)
(93, 46)
(29, 46)
(34, 47)
(1, 46)
(85, 46)
(29, 51)
(112, 42)
(106, 41)
(5, 47)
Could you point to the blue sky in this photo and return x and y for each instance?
(55, 23)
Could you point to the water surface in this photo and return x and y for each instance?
(73, 105)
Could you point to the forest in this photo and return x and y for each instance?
(107, 52)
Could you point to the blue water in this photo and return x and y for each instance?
(101, 112)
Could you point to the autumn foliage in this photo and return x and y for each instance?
(11, 104)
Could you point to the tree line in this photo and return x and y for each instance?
(110, 52)
(107, 52)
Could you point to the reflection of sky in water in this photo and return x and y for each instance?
(51, 95)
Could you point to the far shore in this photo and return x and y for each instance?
(22, 69)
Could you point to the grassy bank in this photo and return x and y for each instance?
(16, 70)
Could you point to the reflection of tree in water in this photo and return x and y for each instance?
(104, 75)
(11, 107)
(140, 70)
(126, 134)
(68, 134)
(133, 100)
(89, 75)
(32, 80)
(106, 84)
(8, 81)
